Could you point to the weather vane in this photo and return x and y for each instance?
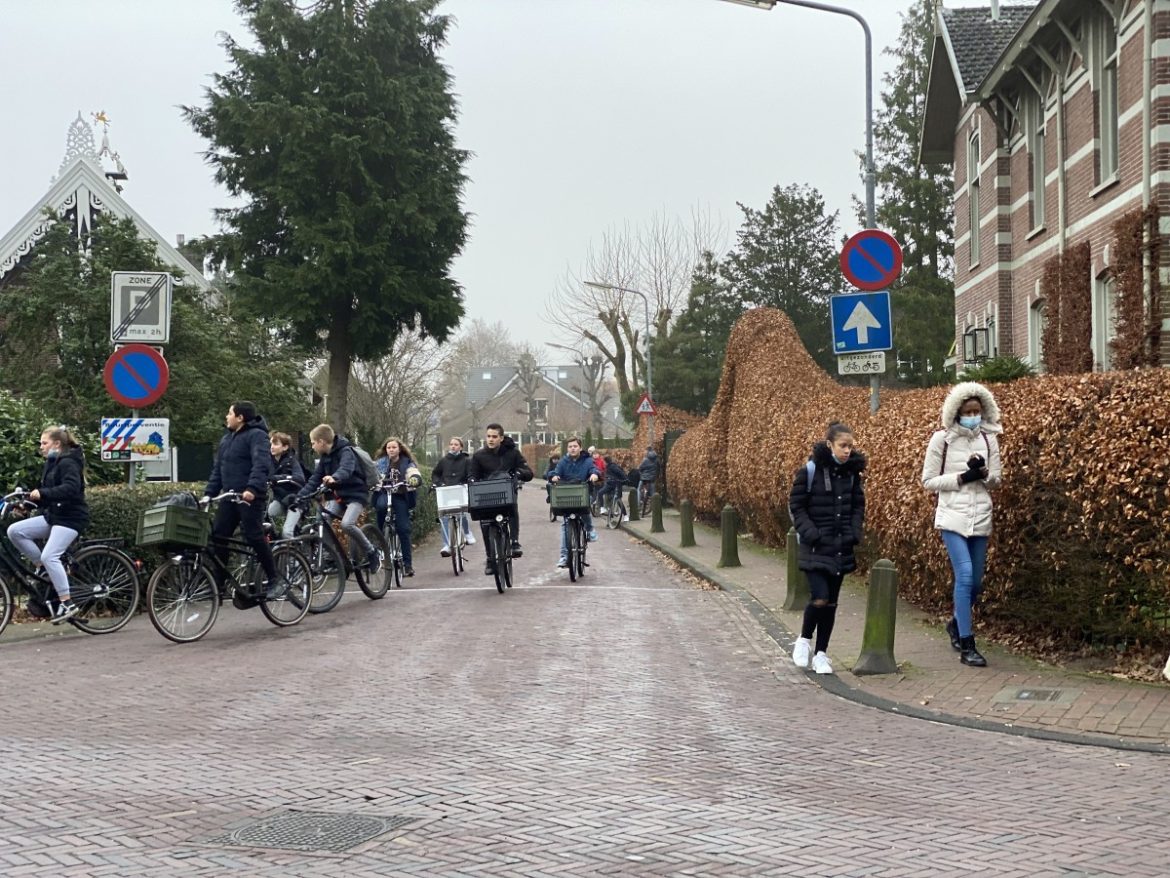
(100, 116)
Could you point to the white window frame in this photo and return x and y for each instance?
(1105, 52)
(1035, 130)
(1037, 320)
(1104, 320)
(973, 199)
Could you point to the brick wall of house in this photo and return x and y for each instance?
(1004, 286)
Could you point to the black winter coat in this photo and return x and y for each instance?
(451, 470)
(287, 467)
(505, 458)
(244, 460)
(830, 520)
(341, 462)
(63, 490)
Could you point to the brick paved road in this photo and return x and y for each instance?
(632, 725)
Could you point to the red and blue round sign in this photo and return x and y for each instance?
(871, 260)
(136, 375)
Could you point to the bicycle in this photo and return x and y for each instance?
(571, 500)
(644, 495)
(451, 501)
(395, 560)
(328, 558)
(103, 579)
(613, 508)
(186, 590)
(491, 501)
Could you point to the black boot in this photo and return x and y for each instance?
(953, 633)
(970, 655)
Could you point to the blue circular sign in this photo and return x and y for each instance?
(136, 375)
(871, 260)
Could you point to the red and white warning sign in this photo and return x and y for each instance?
(645, 406)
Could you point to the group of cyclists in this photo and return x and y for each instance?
(264, 469)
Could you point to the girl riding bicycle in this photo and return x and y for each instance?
(397, 466)
(66, 514)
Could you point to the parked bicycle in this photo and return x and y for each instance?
(451, 501)
(570, 500)
(103, 579)
(325, 549)
(493, 500)
(185, 592)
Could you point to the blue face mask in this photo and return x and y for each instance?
(53, 454)
(970, 421)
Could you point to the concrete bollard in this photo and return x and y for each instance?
(656, 515)
(632, 505)
(877, 643)
(686, 512)
(729, 554)
(798, 594)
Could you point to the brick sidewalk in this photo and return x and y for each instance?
(1014, 694)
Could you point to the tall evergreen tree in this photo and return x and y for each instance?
(787, 257)
(337, 130)
(915, 206)
(688, 363)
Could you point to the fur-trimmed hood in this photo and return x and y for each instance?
(823, 456)
(962, 392)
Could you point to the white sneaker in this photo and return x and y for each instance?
(801, 651)
(1166, 670)
(563, 563)
(445, 551)
(65, 610)
(471, 539)
(821, 664)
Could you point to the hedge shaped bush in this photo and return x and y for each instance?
(1081, 548)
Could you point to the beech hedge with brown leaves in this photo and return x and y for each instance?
(1080, 550)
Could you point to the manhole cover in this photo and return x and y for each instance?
(1036, 695)
(310, 831)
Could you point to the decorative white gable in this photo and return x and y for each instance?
(81, 190)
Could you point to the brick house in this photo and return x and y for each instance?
(561, 406)
(1054, 114)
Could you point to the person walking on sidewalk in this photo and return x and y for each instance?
(827, 505)
(962, 466)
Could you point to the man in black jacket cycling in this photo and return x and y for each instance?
(244, 463)
(500, 455)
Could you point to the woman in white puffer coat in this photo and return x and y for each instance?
(962, 466)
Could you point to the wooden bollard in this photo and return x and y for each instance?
(686, 513)
(877, 643)
(798, 594)
(656, 515)
(632, 505)
(729, 525)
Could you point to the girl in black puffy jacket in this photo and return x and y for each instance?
(827, 504)
(44, 538)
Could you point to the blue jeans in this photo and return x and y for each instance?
(968, 556)
(443, 526)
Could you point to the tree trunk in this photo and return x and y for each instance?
(336, 409)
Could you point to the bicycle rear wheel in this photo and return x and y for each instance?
(613, 512)
(293, 605)
(574, 536)
(328, 568)
(182, 599)
(5, 605)
(104, 585)
(373, 585)
(498, 552)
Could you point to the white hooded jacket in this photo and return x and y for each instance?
(964, 509)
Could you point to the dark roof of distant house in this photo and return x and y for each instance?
(978, 41)
(484, 382)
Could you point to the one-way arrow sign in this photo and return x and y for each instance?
(861, 322)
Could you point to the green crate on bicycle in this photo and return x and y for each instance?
(568, 498)
(173, 526)
(489, 498)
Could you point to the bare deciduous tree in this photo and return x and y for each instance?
(657, 260)
(397, 395)
(478, 344)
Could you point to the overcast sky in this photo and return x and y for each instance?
(583, 115)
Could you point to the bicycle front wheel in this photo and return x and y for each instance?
(574, 537)
(373, 585)
(182, 599)
(5, 605)
(293, 605)
(104, 585)
(578, 557)
(328, 568)
(498, 552)
(394, 557)
(455, 530)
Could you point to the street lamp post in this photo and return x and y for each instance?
(870, 207)
(649, 365)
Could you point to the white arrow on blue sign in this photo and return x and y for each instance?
(861, 322)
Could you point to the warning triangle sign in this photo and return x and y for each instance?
(645, 406)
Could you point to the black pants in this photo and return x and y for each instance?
(824, 588)
(513, 525)
(249, 518)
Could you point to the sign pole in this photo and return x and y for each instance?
(130, 465)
